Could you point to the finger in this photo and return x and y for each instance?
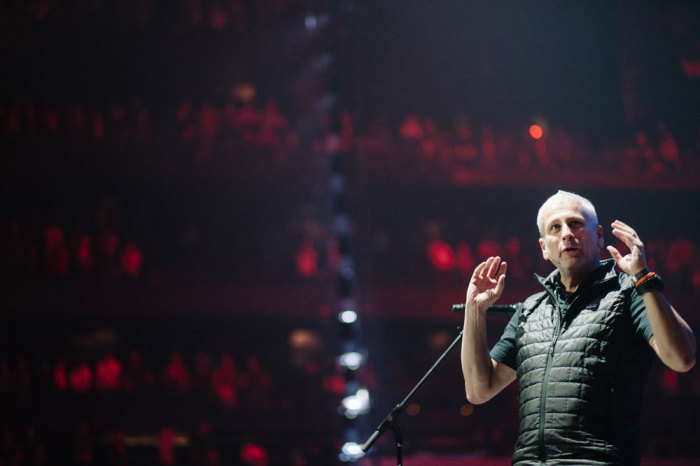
(478, 270)
(488, 268)
(503, 267)
(614, 253)
(622, 226)
(501, 284)
(629, 238)
(494, 266)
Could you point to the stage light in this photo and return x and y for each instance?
(351, 360)
(314, 21)
(356, 404)
(348, 317)
(310, 22)
(536, 131)
(441, 255)
(351, 451)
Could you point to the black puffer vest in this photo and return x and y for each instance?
(581, 375)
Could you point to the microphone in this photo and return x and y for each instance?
(496, 309)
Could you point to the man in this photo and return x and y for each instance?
(581, 349)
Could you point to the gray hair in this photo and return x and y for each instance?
(563, 196)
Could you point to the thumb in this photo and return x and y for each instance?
(614, 253)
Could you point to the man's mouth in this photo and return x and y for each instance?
(570, 249)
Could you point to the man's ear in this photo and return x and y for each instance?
(601, 240)
(544, 249)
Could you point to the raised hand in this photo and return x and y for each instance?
(636, 260)
(486, 284)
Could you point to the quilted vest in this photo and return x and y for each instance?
(581, 375)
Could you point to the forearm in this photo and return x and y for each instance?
(673, 338)
(485, 287)
(476, 361)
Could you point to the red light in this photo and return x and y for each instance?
(440, 255)
(536, 131)
(670, 381)
(131, 260)
(60, 374)
(81, 378)
(691, 68)
(85, 258)
(335, 384)
(307, 259)
(108, 373)
(254, 454)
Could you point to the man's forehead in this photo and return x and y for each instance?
(565, 207)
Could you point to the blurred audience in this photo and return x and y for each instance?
(89, 410)
(83, 255)
(241, 135)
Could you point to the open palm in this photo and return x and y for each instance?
(636, 260)
(486, 284)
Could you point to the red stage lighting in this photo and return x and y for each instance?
(536, 131)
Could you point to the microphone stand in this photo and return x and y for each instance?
(392, 419)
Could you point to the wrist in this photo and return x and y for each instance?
(640, 274)
(474, 310)
(647, 281)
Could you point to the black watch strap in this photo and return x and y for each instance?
(653, 283)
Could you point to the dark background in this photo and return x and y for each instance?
(170, 190)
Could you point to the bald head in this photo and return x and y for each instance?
(563, 197)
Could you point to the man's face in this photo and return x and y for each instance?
(571, 241)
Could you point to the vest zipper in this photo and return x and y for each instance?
(545, 381)
(550, 354)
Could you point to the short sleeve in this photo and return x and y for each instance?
(640, 321)
(505, 351)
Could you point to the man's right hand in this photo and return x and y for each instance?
(486, 285)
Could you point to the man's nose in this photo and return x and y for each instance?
(566, 231)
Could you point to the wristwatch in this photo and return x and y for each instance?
(646, 281)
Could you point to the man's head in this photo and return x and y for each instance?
(563, 197)
(570, 236)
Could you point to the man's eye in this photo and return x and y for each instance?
(554, 227)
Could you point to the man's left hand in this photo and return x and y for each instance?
(635, 261)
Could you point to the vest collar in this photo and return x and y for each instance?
(603, 273)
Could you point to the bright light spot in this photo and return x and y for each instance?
(302, 339)
(348, 317)
(351, 451)
(440, 255)
(536, 131)
(352, 360)
(311, 22)
(356, 404)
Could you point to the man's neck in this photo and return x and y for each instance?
(571, 279)
(570, 283)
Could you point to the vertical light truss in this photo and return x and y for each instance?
(356, 398)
